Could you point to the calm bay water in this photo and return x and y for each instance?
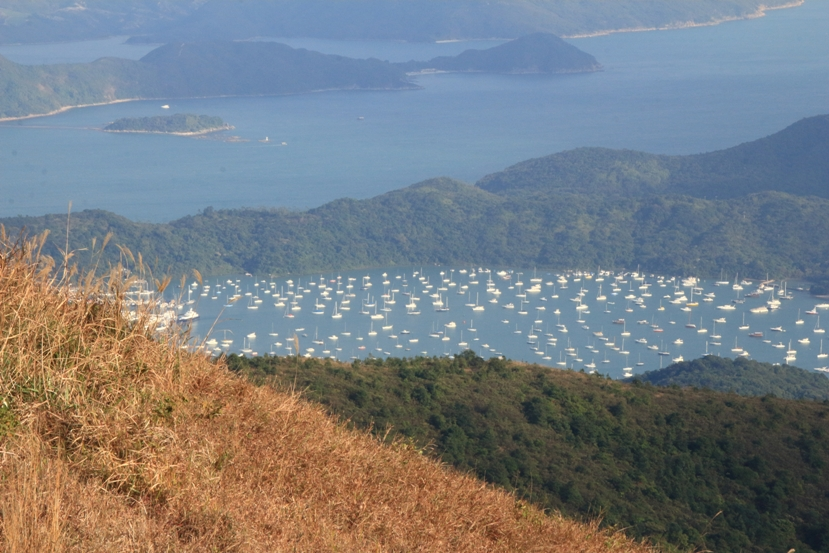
(677, 92)
(393, 313)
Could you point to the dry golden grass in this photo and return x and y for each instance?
(114, 441)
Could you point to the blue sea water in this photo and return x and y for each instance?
(518, 321)
(673, 92)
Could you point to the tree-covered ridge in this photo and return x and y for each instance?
(742, 376)
(188, 70)
(253, 68)
(689, 468)
(417, 20)
(770, 233)
(41, 89)
(179, 123)
(780, 233)
(535, 53)
(793, 160)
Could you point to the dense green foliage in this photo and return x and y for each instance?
(742, 376)
(50, 20)
(692, 468)
(821, 286)
(188, 70)
(38, 89)
(177, 123)
(793, 160)
(447, 222)
(536, 53)
(780, 233)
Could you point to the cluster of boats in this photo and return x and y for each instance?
(616, 322)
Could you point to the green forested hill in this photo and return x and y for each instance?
(695, 469)
(742, 376)
(535, 53)
(779, 233)
(38, 89)
(179, 123)
(187, 70)
(793, 160)
(769, 233)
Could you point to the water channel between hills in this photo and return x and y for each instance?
(675, 92)
(577, 321)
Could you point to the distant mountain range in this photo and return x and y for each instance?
(182, 70)
(413, 20)
(543, 213)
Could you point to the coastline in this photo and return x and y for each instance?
(761, 12)
(67, 108)
(121, 100)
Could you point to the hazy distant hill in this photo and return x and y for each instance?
(794, 160)
(742, 376)
(182, 70)
(189, 70)
(33, 21)
(419, 20)
(253, 68)
(536, 53)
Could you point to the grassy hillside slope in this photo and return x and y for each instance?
(114, 441)
(690, 469)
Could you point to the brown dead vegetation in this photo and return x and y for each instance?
(112, 439)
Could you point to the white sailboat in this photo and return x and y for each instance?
(743, 326)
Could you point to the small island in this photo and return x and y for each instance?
(535, 53)
(182, 124)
